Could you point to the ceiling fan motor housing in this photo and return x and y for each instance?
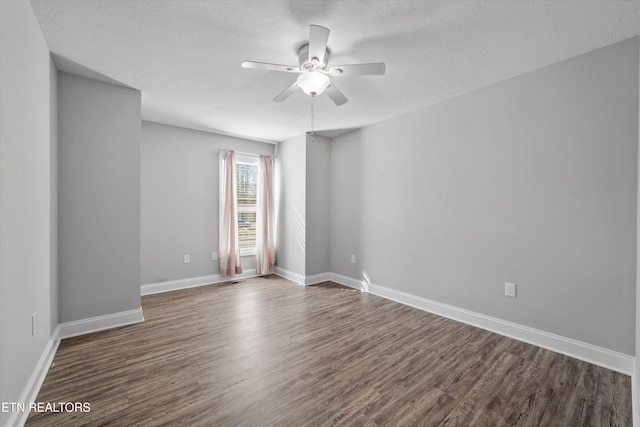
(305, 62)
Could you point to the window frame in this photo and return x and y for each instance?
(254, 161)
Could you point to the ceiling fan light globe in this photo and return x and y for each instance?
(313, 82)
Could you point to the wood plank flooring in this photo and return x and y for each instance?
(267, 352)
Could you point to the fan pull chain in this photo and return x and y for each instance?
(313, 101)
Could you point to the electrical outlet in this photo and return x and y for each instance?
(187, 258)
(353, 259)
(214, 256)
(510, 289)
(34, 325)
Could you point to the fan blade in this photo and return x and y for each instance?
(318, 38)
(267, 66)
(335, 95)
(374, 69)
(286, 93)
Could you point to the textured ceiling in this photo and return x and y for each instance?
(185, 55)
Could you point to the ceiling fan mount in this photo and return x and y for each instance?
(308, 63)
(313, 59)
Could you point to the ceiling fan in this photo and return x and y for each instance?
(313, 73)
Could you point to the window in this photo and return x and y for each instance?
(247, 181)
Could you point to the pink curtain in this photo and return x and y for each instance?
(265, 229)
(229, 247)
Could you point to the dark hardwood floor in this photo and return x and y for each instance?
(266, 352)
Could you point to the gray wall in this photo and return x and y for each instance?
(53, 200)
(27, 198)
(318, 200)
(99, 198)
(346, 202)
(291, 205)
(637, 361)
(179, 200)
(532, 180)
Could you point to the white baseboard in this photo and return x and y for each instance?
(347, 281)
(100, 323)
(290, 275)
(174, 285)
(317, 278)
(32, 388)
(587, 352)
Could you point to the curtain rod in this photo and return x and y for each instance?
(243, 153)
